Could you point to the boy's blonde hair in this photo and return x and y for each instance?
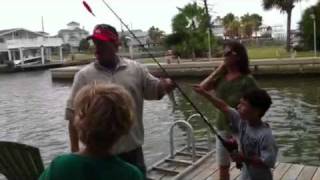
(103, 114)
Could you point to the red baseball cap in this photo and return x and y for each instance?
(104, 32)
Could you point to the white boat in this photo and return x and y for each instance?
(28, 61)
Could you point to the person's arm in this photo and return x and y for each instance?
(74, 137)
(210, 82)
(218, 103)
(154, 88)
(269, 150)
(166, 85)
(79, 81)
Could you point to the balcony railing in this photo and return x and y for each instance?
(34, 43)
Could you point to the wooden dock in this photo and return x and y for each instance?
(27, 67)
(204, 68)
(283, 171)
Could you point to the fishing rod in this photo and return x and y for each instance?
(163, 70)
(231, 145)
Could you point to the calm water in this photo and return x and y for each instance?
(32, 111)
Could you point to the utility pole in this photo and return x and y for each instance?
(42, 24)
(209, 28)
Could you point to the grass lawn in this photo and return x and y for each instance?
(269, 52)
(274, 52)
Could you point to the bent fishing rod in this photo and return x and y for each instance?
(162, 69)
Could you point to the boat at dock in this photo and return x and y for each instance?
(28, 61)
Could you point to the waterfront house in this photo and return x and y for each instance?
(218, 28)
(19, 46)
(135, 48)
(143, 37)
(73, 35)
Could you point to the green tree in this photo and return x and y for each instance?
(189, 37)
(306, 26)
(257, 21)
(84, 45)
(232, 26)
(250, 24)
(227, 19)
(284, 6)
(155, 35)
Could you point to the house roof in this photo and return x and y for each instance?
(7, 31)
(73, 23)
(136, 32)
(73, 30)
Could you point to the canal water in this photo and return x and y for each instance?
(32, 112)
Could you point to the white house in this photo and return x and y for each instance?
(143, 37)
(73, 35)
(20, 46)
(218, 28)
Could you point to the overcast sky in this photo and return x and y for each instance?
(139, 14)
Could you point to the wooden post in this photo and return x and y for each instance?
(42, 54)
(60, 53)
(49, 54)
(21, 55)
(9, 55)
(131, 51)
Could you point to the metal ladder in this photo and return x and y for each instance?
(179, 163)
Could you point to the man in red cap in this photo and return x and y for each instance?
(110, 68)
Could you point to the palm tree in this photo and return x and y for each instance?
(191, 24)
(155, 35)
(231, 25)
(284, 6)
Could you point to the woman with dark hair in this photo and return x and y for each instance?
(229, 81)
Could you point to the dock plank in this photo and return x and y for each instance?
(207, 172)
(234, 173)
(207, 164)
(316, 176)
(293, 172)
(307, 173)
(280, 170)
(215, 175)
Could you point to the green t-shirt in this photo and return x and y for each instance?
(231, 92)
(73, 166)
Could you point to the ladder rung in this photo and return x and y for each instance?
(188, 154)
(166, 170)
(200, 131)
(202, 148)
(201, 139)
(179, 161)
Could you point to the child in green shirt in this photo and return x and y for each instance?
(103, 114)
